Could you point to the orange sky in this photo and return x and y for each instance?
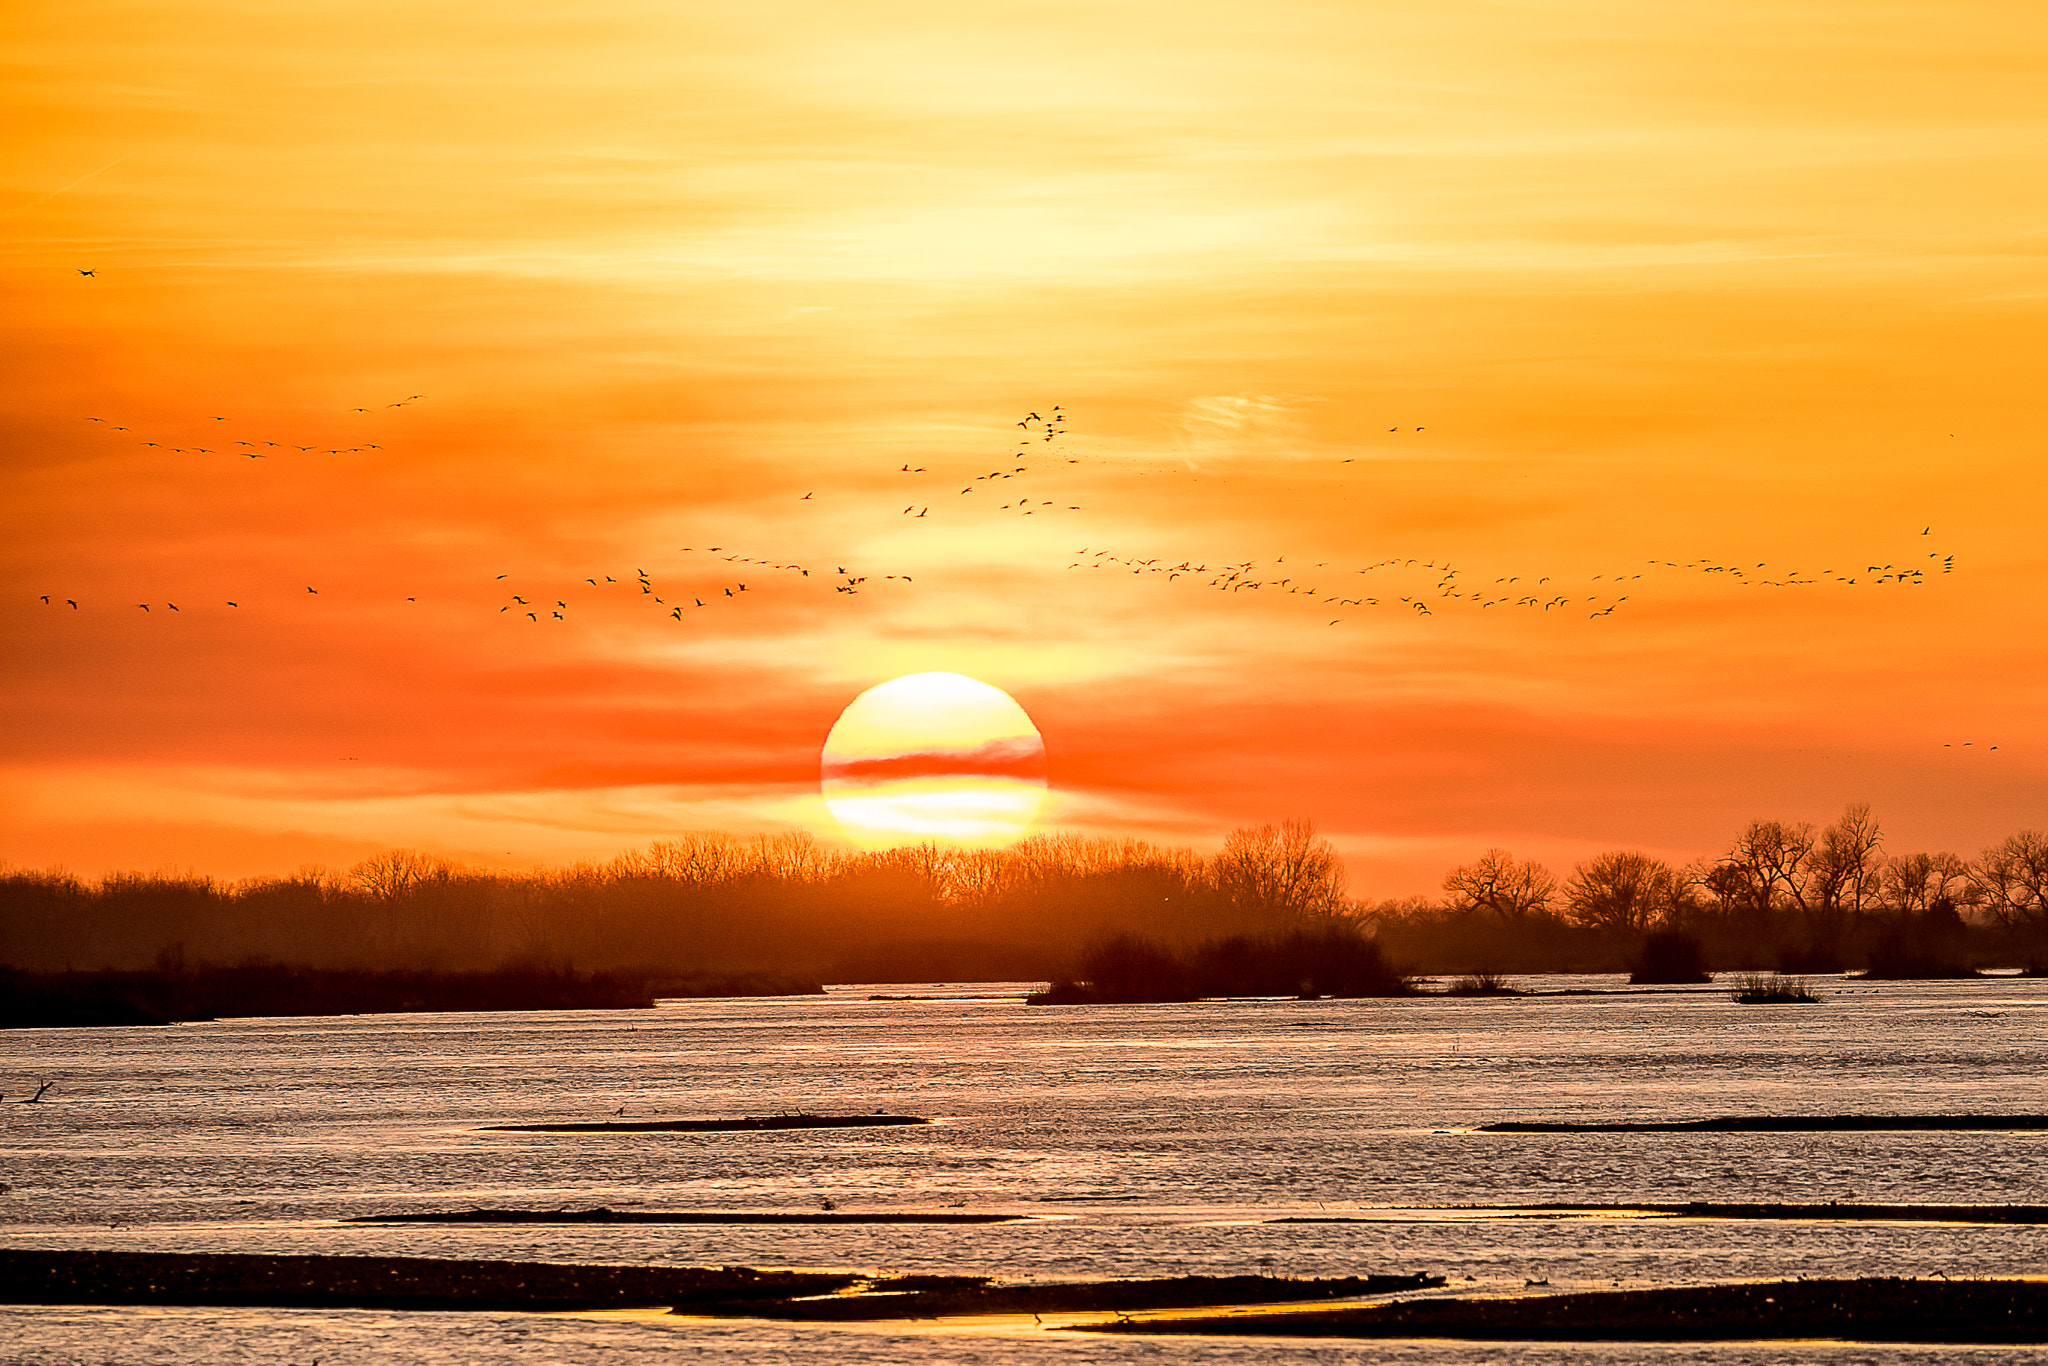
(1742, 283)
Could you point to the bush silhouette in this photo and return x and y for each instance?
(1670, 957)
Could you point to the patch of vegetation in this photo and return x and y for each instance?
(1332, 959)
(1773, 988)
(1482, 984)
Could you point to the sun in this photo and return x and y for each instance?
(934, 756)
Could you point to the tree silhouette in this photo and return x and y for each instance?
(1623, 893)
(1288, 872)
(1500, 884)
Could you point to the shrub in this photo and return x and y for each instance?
(1772, 988)
(1481, 984)
(1670, 957)
(1129, 969)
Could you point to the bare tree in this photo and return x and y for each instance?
(1768, 865)
(702, 856)
(2012, 878)
(395, 872)
(1288, 871)
(1498, 883)
(1842, 870)
(1623, 893)
(1914, 884)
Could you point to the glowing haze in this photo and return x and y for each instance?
(580, 403)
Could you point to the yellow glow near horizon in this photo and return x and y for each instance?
(933, 756)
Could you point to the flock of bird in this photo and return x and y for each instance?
(1433, 585)
(251, 448)
(251, 451)
(691, 599)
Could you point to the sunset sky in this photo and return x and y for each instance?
(1540, 292)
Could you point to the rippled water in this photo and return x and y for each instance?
(1193, 1124)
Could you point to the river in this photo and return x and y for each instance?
(1142, 1140)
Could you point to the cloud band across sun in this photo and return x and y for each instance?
(934, 756)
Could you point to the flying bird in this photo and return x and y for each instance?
(87, 273)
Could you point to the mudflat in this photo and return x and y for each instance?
(1864, 1310)
(605, 1215)
(316, 1282)
(1829, 1212)
(1080, 1297)
(1783, 1124)
(745, 1124)
(426, 1283)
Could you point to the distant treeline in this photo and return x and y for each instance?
(701, 903)
(1783, 896)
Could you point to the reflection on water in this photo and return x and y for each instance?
(1193, 1122)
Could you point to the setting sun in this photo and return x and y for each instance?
(934, 756)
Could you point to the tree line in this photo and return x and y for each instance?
(1783, 895)
(706, 902)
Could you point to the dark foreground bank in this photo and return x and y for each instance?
(1832, 1212)
(1783, 1124)
(423, 1283)
(1867, 1310)
(605, 1215)
(742, 1125)
(60, 1000)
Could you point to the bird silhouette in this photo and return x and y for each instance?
(89, 274)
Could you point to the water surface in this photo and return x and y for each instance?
(1183, 1127)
